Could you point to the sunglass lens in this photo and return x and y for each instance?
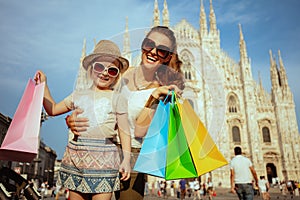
(162, 52)
(148, 44)
(98, 67)
(113, 71)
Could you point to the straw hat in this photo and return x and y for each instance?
(106, 48)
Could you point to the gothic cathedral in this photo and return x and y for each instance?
(236, 110)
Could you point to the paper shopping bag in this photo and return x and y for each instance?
(179, 161)
(205, 153)
(152, 157)
(22, 137)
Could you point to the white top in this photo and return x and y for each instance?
(262, 184)
(196, 185)
(240, 166)
(136, 102)
(99, 108)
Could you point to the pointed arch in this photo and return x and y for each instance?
(236, 135)
(187, 64)
(266, 135)
(233, 103)
(265, 126)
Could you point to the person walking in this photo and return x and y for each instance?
(264, 187)
(182, 185)
(241, 174)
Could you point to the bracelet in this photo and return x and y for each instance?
(151, 101)
(66, 119)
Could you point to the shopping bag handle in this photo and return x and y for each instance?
(173, 98)
(167, 96)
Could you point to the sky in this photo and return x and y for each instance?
(48, 35)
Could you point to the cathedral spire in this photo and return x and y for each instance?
(282, 72)
(261, 88)
(81, 81)
(244, 60)
(212, 19)
(166, 17)
(203, 22)
(83, 52)
(95, 42)
(156, 16)
(260, 81)
(243, 51)
(274, 72)
(126, 42)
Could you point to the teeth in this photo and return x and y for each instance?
(151, 58)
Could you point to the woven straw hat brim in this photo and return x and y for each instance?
(90, 58)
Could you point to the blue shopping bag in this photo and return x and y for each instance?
(152, 157)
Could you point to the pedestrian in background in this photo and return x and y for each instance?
(264, 187)
(182, 185)
(241, 174)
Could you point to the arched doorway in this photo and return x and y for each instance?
(271, 171)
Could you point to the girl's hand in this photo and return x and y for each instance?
(40, 77)
(125, 170)
(164, 90)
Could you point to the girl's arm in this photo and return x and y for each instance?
(125, 138)
(52, 108)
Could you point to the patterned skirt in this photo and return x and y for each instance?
(90, 166)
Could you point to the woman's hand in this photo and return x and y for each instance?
(77, 124)
(165, 90)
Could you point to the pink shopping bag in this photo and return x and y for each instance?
(22, 138)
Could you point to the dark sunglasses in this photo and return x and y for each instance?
(112, 71)
(161, 50)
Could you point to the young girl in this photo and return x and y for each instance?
(91, 163)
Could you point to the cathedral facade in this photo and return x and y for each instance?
(236, 110)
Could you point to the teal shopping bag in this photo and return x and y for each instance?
(152, 157)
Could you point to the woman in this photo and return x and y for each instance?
(158, 73)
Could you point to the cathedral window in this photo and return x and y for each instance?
(186, 66)
(232, 105)
(236, 136)
(266, 135)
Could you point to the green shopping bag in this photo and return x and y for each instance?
(179, 160)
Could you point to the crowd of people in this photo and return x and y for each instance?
(181, 189)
